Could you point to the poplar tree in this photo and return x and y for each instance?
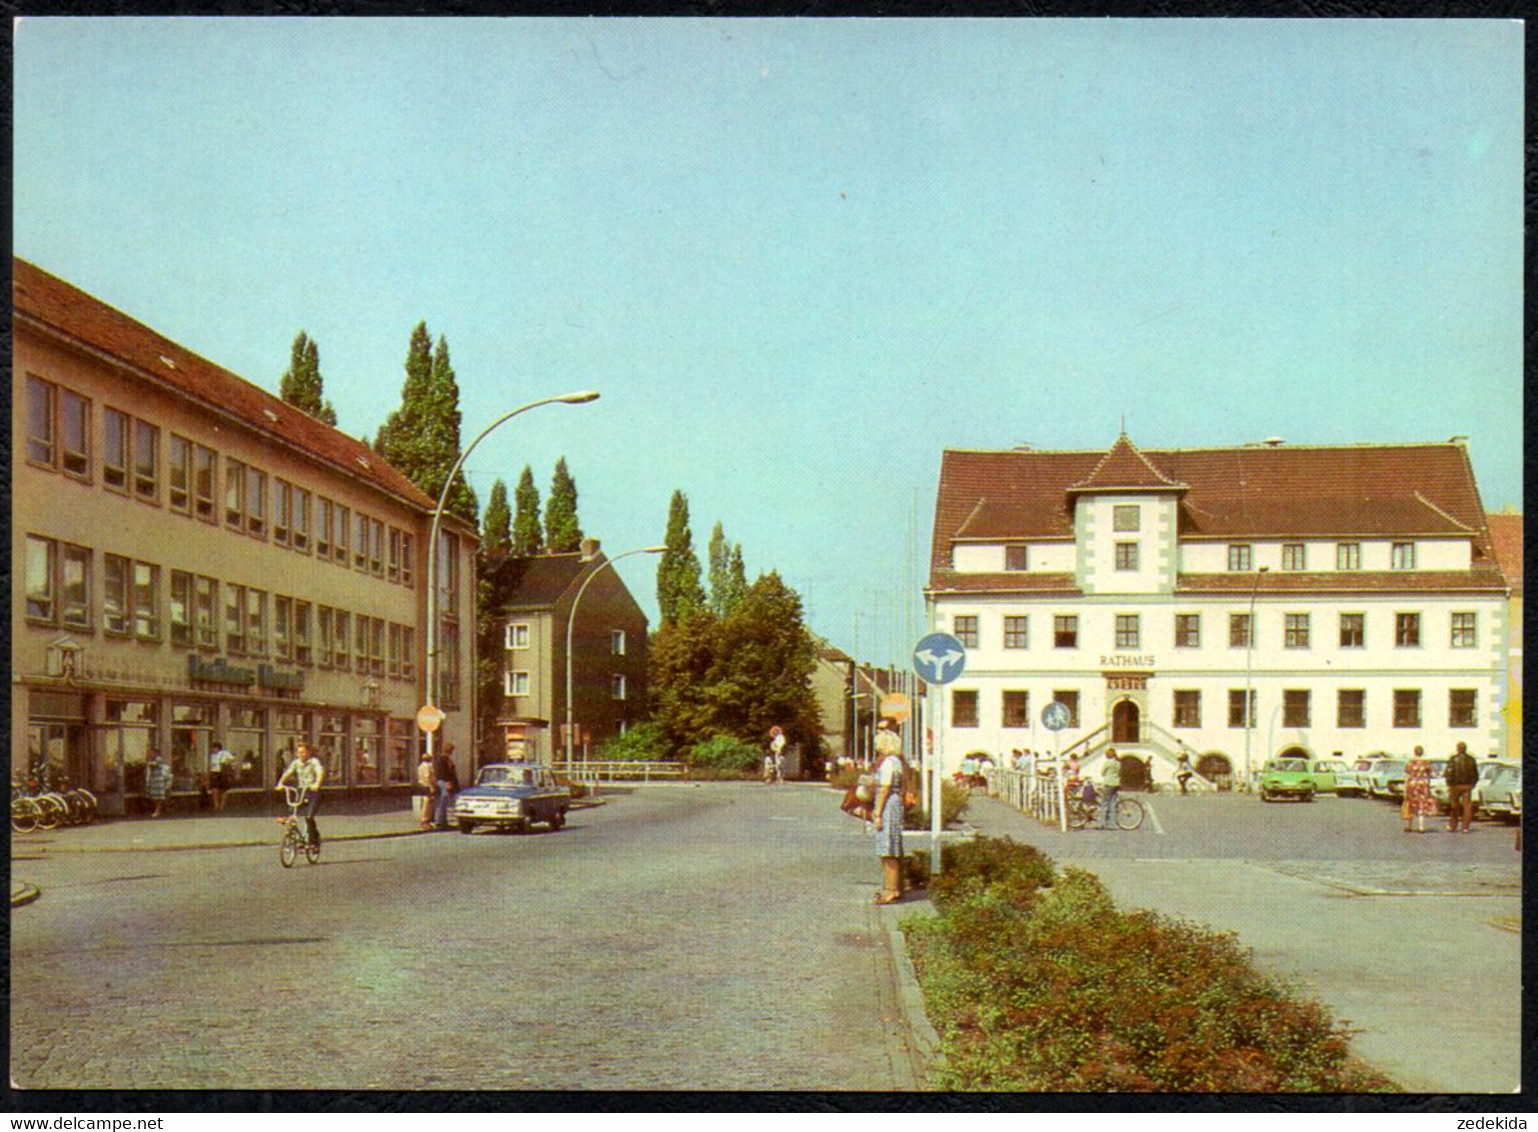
(679, 592)
(421, 438)
(719, 554)
(302, 385)
(497, 523)
(562, 531)
(527, 538)
(736, 581)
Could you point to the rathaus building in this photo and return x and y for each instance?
(1238, 603)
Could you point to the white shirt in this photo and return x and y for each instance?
(308, 774)
(890, 772)
(221, 758)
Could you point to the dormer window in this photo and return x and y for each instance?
(1240, 557)
(1015, 557)
(1403, 556)
(1294, 556)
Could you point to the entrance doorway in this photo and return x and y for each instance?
(1126, 723)
(1216, 768)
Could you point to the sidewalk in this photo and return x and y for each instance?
(346, 822)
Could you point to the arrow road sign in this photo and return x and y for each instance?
(939, 658)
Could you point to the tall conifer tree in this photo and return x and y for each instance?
(497, 523)
(527, 537)
(719, 556)
(679, 592)
(302, 385)
(562, 531)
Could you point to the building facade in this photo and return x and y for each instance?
(553, 596)
(194, 559)
(1235, 603)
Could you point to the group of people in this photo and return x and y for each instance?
(437, 784)
(224, 774)
(1461, 774)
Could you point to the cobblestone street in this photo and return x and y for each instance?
(706, 937)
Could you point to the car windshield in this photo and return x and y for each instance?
(1391, 766)
(1329, 766)
(505, 776)
(1290, 765)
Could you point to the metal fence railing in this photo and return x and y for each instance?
(615, 770)
(1040, 795)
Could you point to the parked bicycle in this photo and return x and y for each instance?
(1129, 812)
(296, 835)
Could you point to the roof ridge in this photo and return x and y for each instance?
(1123, 443)
(1444, 514)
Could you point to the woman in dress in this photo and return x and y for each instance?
(1418, 801)
(157, 782)
(888, 812)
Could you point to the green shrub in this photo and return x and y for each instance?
(725, 755)
(1037, 982)
(643, 744)
(953, 803)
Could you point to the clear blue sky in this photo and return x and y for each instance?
(799, 258)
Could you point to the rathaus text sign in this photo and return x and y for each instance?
(1144, 661)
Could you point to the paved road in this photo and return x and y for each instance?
(1404, 935)
(706, 937)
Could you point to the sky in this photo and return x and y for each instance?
(801, 258)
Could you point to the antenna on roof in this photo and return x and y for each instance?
(1124, 424)
(1458, 439)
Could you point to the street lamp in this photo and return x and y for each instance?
(431, 698)
(571, 623)
(1249, 655)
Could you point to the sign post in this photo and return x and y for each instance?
(938, 659)
(1055, 717)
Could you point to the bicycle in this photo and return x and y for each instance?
(1129, 812)
(296, 838)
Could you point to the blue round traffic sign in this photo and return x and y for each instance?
(939, 658)
(1055, 717)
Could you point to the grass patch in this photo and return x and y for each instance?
(1035, 981)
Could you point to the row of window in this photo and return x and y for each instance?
(1297, 630)
(1297, 707)
(515, 638)
(59, 592)
(59, 438)
(519, 682)
(1241, 555)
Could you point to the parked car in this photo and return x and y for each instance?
(1327, 774)
(1386, 779)
(1286, 778)
(1357, 779)
(1498, 794)
(512, 796)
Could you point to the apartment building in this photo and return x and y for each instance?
(1237, 603)
(194, 559)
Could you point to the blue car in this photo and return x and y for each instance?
(512, 796)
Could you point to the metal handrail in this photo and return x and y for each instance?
(594, 770)
(1040, 795)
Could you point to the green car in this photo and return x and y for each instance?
(1287, 778)
(1327, 774)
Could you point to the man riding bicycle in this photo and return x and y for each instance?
(308, 774)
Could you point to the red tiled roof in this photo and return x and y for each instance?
(1326, 492)
(1352, 581)
(83, 319)
(1124, 467)
(1506, 531)
(538, 582)
(1013, 582)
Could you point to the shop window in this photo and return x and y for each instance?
(42, 572)
(115, 601)
(1017, 632)
(289, 729)
(402, 739)
(1296, 707)
(1188, 630)
(1407, 707)
(1016, 708)
(1353, 630)
(1461, 707)
(964, 707)
(246, 739)
(191, 732)
(115, 444)
(1351, 707)
(331, 746)
(1188, 707)
(367, 747)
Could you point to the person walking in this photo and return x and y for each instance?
(777, 754)
(1183, 771)
(888, 815)
(308, 773)
(446, 775)
(1462, 773)
(422, 793)
(1418, 801)
(157, 782)
(1110, 787)
(221, 770)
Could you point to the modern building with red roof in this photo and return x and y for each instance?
(1352, 590)
(194, 559)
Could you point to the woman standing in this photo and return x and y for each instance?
(422, 794)
(1418, 801)
(157, 781)
(889, 815)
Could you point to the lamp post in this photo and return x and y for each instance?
(571, 624)
(431, 667)
(1249, 657)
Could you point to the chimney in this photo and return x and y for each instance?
(1274, 442)
(589, 549)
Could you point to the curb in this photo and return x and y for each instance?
(910, 996)
(23, 893)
